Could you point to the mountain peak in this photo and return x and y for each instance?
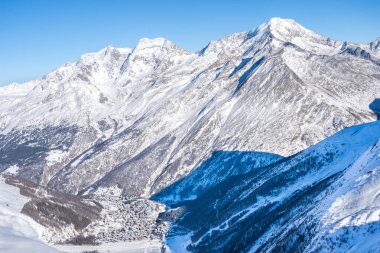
(157, 45)
(145, 43)
(109, 51)
(375, 45)
(276, 21)
(289, 31)
(148, 55)
(285, 29)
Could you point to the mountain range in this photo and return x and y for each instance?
(233, 148)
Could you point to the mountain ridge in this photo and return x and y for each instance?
(120, 126)
(273, 22)
(168, 96)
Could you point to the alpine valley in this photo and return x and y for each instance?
(263, 141)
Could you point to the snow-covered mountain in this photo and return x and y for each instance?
(324, 199)
(135, 121)
(142, 118)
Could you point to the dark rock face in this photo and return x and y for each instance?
(375, 107)
(358, 52)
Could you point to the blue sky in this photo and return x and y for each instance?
(40, 35)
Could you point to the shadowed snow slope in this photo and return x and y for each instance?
(324, 199)
(220, 166)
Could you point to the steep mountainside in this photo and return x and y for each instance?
(324, 199)
(142, 118)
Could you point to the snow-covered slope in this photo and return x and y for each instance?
(18, 232)
(352, 220)
(143, 118)
(324, 199)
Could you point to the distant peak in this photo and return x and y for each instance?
(156, 42)
(375, 45)
(112, 50)
(107, 51)
(157, 45)
(109, 47)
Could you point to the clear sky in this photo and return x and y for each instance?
(38, 36)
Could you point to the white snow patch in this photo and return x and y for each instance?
(55, 156)
(12, 170)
